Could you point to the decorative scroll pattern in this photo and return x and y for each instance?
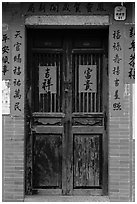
(129, 52)
(88, 121)
(17, 84)
(47, 121)
(116, 72)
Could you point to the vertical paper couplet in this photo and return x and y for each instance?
(17, 82)
(116, 50)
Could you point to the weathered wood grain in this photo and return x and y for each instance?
(87, 161)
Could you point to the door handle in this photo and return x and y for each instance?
(105, 120)
(66, 90)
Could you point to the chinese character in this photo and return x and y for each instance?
(47, 84)
(16, 106)
(17, 82)
(131, 73)
(17, 46)
(116, 95)
(116, 82)
(131, 32)
(66, 7)
(31, 8)
(87, 84)
(5, 59)
(116, 70)
(77, 7)
(89, 7)
(16, 70)
(42, 7)
(47, 74)
(5, 38)
(87, 73)
(18, 34)
(132, 60)
(5, 49)
(4, 69)
(117, 106)
(117, 46)
(100, 7)
(116, 34)
(54, 7)
(132, 45)
(117, 59)
(17, 58)
(17, 94)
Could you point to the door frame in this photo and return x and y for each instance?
(69, 188)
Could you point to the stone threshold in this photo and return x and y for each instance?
(43, 198)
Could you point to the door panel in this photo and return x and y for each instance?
(47, 157)
(68, 112)
(87, 161)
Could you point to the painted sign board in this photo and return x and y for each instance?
(5, 96)
(120, 13)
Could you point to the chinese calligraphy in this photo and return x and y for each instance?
(47, 79)
(130, 54)
(5, 55)
(17, 71)
(116, 60)
(87, 78)
(66, 7)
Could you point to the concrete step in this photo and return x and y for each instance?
(43, 198)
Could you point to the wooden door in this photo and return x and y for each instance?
(68, 109)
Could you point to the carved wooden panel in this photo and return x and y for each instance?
(48, 121)
(87, 161)
(88, 121)
(47, 161)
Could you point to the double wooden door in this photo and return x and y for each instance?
(67, 73)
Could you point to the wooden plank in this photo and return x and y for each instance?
(88, 192)
(56, 115)
(48, 191)
(47, 129)
(87, 129)
(105, 135)
(89, 115)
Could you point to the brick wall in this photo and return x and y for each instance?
(13, 158)
(120, 155)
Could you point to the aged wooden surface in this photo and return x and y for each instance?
(87, 161)
(47, 161)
